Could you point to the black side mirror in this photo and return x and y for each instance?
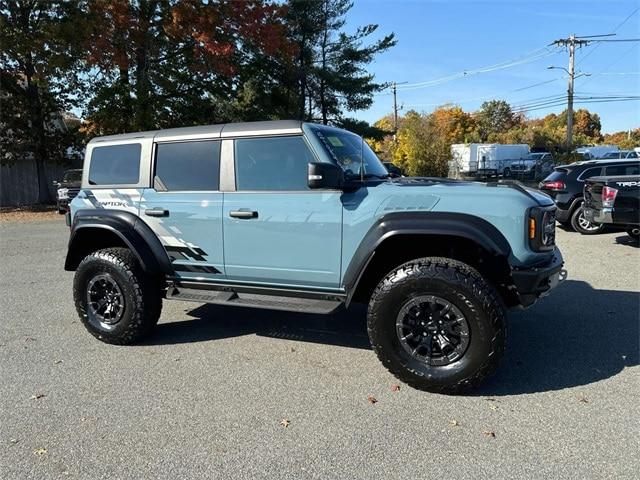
(325, 175)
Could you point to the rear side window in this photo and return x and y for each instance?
(115, 165)
(188, 165)
(590, 172)
(557, 174)
(278, 163)
(631, 169)
(632, 155)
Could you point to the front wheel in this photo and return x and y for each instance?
(437, 325)
(581, 225)
(116, 301)
(634, 233)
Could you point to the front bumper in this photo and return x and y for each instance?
(63, 205)
(599, 216)
(535, 282)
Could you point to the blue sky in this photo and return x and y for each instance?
(438, 39)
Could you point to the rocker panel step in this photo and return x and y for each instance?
(269, 302)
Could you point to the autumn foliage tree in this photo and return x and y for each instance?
(160, 63)
(423, 143)
(39, 77)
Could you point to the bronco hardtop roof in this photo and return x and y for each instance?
(244, 129)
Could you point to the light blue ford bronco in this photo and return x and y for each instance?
(295, 216)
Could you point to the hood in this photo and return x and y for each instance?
(537, 196)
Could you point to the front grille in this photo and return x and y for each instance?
(548, 229)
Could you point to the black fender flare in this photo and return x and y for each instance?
(462, 225)
(136, 234)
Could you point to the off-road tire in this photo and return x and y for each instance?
(141, 292)
(463, 287)
(575, 223)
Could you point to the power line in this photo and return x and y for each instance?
(578, 100)
(615, 29)
(532, 56)
(626, 52)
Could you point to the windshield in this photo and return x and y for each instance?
(347, 150)
(536, 156)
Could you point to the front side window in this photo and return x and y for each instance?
(188, 166)
(277, 163)
(350, 152)
(115, 165)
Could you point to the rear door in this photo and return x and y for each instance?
(184, 207)
(277, 230)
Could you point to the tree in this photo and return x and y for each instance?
(625, 140)
(331, 64)
(166, 63)
(495, 117)
(40, 55)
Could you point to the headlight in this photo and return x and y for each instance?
(541, 229)
(63, 193)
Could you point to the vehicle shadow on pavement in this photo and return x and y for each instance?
(342, 328)
(627, 240)
(576, 336)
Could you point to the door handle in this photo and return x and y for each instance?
(243, 214)
(156, 212)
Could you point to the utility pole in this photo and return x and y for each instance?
(572, 51)
(395, 109)
(572, 42)
(394, 90)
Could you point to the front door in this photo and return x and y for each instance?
(277, 230)
(184, 207)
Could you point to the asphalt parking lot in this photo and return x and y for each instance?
(205, 396)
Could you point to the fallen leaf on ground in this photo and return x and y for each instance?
(489, 433)
(583, 399)
(285, 422)
(293, 349)
(493, 407)
(13, 440)
(57, 362)
(40, 451)
(454, 423)
(29, 339)
(395, 387)
(491, 399)
(38, 396)
(371, 399)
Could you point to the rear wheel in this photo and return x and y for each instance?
(116, 301)
(581, 225)
(634, 233)
(437, 325)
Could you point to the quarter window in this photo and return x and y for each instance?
(278, 163)
(115, 165)
(188, 166)
(633, 169)
(589, 172)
